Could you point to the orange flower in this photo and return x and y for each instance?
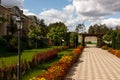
(59, 70)
(117, 53)
(80, 47)
(104, 47)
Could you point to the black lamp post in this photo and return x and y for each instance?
(75, 41)
(19, 23)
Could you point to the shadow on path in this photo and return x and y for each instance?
(73, 68)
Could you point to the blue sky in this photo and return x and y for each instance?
(71, 12)
(40, 5)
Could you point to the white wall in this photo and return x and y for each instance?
(89, 38)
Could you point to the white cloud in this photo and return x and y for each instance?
(110, 5)
(96, 8)
(19, 3)
(52, 16)
(27, 12)
(110, 22)
(94, 11)
(66, 15)
(12, 3)
(69, 9)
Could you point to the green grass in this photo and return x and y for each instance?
(38, 70)
(41, 68)
(11, 58)
(7, 58)
(63, 53)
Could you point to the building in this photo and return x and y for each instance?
(4, 13)
(10, 13)
(34, 20)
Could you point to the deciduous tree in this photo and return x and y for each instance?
(80, 28)
(57, 32)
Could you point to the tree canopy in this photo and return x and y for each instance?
(98, 28)
(34, 31)
(80, 28)
(43, 27)
(108, 36)
(57, 32)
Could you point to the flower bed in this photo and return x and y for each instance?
(105, 47)
(112, 51)
(61, 68)
(10, 73)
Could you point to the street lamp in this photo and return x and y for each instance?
(63, 41)
(75, 41)
(19, 23)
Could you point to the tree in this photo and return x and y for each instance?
(118, 27)
(91, 30)
(108, 36)
(67, 38)
(57, 32)
(114, 34)
(117, 30)
(103, 28)
(43, 27)
(80, 28)
(118, 40)
(74, 38)
(34, 34)
(34, 31)
(98, 28)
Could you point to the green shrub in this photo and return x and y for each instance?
(24, 43)
(13, 44)
(3, 43)
(118, 40)
(88, 42)
(43, 42)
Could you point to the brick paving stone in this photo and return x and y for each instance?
(95, 64)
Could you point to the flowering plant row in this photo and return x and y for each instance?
(61, 68)
(105, 47)
(112, 51)
(10, 73)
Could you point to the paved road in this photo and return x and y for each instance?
(95, 64)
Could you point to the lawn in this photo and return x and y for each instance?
(41, 68)
(7, 58)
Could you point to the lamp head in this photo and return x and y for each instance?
(19, 22)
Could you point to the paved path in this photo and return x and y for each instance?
(95, 64)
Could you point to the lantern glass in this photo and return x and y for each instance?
(19, 23)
